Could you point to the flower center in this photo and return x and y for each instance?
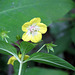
(33, 28)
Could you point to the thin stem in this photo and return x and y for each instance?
(25, 61)
(20, 68)
(21, 63)
(6, 40)
(40, 48)
(18, 59)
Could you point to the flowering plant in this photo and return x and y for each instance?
(33, 33)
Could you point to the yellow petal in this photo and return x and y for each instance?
(20, 56)
(26, 57)
(35, 20)
(36, 38)
(43, 28)
(26, 37)
(25, 26)
(11, 60)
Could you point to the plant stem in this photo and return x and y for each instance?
(20, 68)
(40, 48)
(6, 40)
(21, 63)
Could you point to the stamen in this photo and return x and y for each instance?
(33, 29)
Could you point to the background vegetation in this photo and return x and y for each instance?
(58, 15)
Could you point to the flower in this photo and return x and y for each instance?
(12, 59)
(33, 30)
(4, 35)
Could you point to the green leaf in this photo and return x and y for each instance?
(42, 71)
(51, 60)
(73, 34)
(26, 46)
(16, 68)
(51, 48)
(6, 47)
(53, 45)
(13, 14)
(4, 52)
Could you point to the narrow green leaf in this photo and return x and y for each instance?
(53, 45)
(51, 60)
(51, 48)
(6, 47)
(26, 46)
(4, 52)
